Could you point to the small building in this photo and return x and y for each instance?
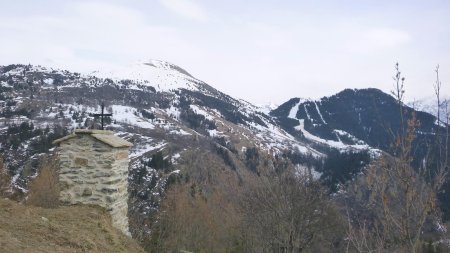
(94, 170)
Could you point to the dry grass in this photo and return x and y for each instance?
(44, 189)
(65, 229)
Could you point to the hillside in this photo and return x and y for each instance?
(65, 229)
(351, 117)
(356, 119)
(165, 112)
(203, 155)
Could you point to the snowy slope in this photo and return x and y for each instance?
(163, 76)
(430, 105)
(267, 107)
(167, 77)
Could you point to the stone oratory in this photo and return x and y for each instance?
(94, 170)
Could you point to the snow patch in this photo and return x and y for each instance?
(305, 171)
(163, 76)
(142, 148)
(307, 113)
(294, 110)
(320, 114)
(331, 143)
(266, 108)
(201, 111)
(129, 115)
(179, 132)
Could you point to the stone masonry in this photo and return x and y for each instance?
(94, 170)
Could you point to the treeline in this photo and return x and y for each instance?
(40, 138)
(277, 213)
(280, 209)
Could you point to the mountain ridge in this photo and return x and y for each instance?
(177, 121)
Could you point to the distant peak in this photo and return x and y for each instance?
(161, 75)
(153, 62)
(163, 65)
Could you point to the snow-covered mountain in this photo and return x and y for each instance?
(162, 76)
(430, 105)
(360, 119)
(166, 113)
(350, 119)
(184, 129)
(267, 107)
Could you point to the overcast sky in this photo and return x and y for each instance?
(258, 50)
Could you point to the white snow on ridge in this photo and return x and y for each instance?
(429, 104)
(266, 108)
(161, 75)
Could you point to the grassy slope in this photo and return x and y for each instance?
(65, 229)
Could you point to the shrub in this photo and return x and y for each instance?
(44, 189)
(5, 179)
(158, 162)
(148, 115)
(252, 158)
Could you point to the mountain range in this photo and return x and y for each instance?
(184, 130)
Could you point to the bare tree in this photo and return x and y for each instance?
(192, 222)
(288, 213)
(401, 199)
(441, 140)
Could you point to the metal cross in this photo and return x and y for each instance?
(102, 115)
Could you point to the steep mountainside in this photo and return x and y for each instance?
(167, 114)
(185, 131)
(354, 119)
(349, 117)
